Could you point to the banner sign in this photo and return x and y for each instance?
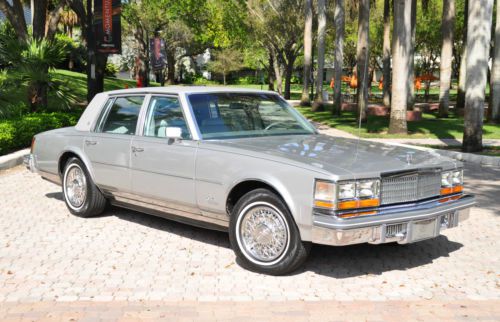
(107, 26)
(156, 48)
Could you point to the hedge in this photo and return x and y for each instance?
(17, 133)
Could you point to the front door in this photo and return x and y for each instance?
(108, 147)
(163, 169)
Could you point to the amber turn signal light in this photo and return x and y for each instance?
(363, 203)
(450, 190)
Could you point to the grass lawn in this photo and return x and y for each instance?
(493, 151)
(429, 127)
(377, 126)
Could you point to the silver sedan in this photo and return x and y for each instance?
(246, 162)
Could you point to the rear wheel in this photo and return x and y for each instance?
(264, 235)
(80, 194)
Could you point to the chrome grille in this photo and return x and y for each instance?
(412, 186)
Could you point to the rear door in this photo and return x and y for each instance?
(108, 146)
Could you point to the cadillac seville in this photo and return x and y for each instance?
(246, 162)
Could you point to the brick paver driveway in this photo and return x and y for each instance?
(49, 258)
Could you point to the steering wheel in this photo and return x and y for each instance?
(273, 125)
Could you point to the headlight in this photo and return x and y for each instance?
(368, 189)
(457, 177)
(452, 182)
(347, 190)
(347, 194)
(324, 194)
(446, 179)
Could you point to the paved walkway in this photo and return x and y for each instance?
(130, 265)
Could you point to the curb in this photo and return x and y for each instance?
(11, 160)
(460, 156)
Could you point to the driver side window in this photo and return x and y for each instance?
(163, 112)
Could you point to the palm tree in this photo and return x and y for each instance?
(386, 54)
(411, 74)
(447, 25)
(495, 72)
(401, 63)
(339, 18)
(363, 53)
(463, 60)
(30, 64)
(318, 100)
(478, 48)
(305, 100)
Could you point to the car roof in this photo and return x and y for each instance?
(187, 90)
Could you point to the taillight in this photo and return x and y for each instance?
(32, 145)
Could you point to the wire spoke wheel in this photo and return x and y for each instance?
(75, 186)
(263, 233)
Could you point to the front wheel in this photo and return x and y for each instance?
(81, 194)
(264, 235)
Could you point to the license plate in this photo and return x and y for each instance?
(424, 229)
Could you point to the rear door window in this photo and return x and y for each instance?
(121, 117)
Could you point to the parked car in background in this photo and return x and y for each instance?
(244, 161)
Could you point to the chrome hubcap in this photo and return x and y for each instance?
(75, 186)
(264, 234)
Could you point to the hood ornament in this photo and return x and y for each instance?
(409, 157)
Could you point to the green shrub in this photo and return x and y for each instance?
(248, 80)
(17, 133)
(110, 70)
(200, 80)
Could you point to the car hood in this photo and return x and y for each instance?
(360, 158)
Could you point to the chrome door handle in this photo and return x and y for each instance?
(134, 149)
(88, 142)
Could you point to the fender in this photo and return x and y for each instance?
(276, 185)
(81, 154)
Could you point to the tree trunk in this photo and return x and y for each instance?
(37, 96)
(15, 15)
(447, 26)
(170, 67)
(463, 61)
(411, 72)
(278, 71)
(362, 53)
(478, 45)
(288, 77)
(386, 54)
(53, 20)
(401, 63)
(305, 100)
(495, 73)
(39, 17)
(339, 53)
(318, 99)
(270, 73)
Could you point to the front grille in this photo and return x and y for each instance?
(410, 186)
(396, 230)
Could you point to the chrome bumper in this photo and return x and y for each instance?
(29, 162)
(408, 225)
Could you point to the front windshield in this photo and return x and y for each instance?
(233, 115)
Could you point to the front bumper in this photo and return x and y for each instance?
(403, 224)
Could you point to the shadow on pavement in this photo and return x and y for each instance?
(55, 195)
(363, 259)
(204, 235)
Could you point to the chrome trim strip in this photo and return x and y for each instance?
(54, 178)
(164, 211)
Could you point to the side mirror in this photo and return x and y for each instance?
(173, 133)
